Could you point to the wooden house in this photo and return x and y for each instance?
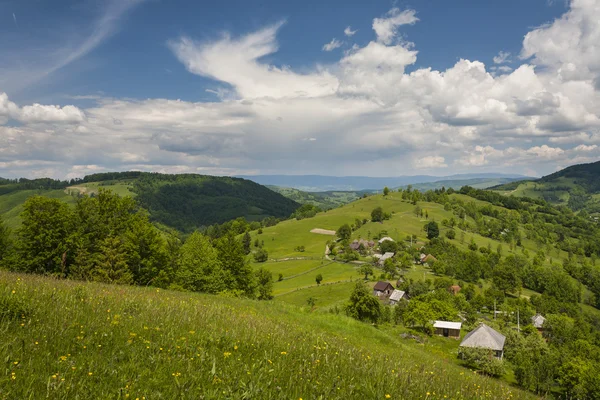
(383, 289)
(484, 337)
(447, 329)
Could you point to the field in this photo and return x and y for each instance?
(11, 204)
(299, 269)
(64, 339)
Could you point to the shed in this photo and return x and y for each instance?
(538, 322)
(447, 329)
(385, 256)
(484, 337)
(398, 295)
(383, 289)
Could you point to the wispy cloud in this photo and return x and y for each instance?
(334, 44)
(15, 19)
(502, 57)
(52, 54)
(349, 32)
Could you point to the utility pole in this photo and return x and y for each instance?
(518, 322)
(494, 308)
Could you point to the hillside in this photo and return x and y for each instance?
(64, 339)
(321, 183)
(323, 200)
(478, 183)
(184, 202)
(576, 187)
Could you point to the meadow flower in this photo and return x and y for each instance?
(226, 354)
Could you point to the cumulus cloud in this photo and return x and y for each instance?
(334, 44)
(386, 27)
(502, 57)
(349, 32)
(369, 113)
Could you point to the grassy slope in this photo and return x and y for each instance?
(11, 204)
(324, 200)
(112, 342)
(299, 275)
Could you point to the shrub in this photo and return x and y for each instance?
(451, 234)
(261, 255)
(483, 360)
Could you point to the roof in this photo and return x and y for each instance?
(447, 325)
(538, 321)
(383, 239)
(381, 286)
(397, 295)
(484, 337)
(387, 255)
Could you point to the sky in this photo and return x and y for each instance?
(378, 88)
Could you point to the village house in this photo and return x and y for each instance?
(385, 256)
(383, 239)
(447, 329)
(366, 244)
(538, 322)
(383, 289)
(484, 337)
(397, 295)
(427, 258)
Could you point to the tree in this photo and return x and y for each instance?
(45, 236)
(386, 191)
(111, 266)
(231, 255)
(362, 305)
(264, 280)
(389, 267)
(247, 243)
(377, 214)
(344, 232)
(505, 277)
(451, 234)
(365, 270)
(261, 255)
(4, 240)
(432, 229)
(319, 278)
(199, 268)
(421, 314)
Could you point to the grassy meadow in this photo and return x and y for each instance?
(66, 339)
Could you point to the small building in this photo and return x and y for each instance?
(383, 239)
(383, 289)
(538, 322)
(484, 337)
(427, 258)
(454, 289)
(397, 295)
(366, 244)
(447, 329)
(385, 256)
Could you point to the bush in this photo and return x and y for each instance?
(451, 234)
(300, 249)
(483, 360)
(261, 255)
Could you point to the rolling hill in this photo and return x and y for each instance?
(576, 187)
(184, 202)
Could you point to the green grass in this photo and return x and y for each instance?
(11, 205)
(122, 188)
(93, 341)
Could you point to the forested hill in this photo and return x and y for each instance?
(184, 202)
(576, 187)
(188, 201)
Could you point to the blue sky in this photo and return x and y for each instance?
(425, 86)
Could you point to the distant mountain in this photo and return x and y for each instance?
(321, 183)
(477, 183)
(577, 187)
(185, 202)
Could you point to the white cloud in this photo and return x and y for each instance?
(334, 44)
(502, 57)
(386, 27)
(369, 114)
(430, 162)
(349, 32)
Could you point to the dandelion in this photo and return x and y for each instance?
(235, 347)
(226, 354)
(90, 373)
(387, 396)
(283, 353)
(13, 376)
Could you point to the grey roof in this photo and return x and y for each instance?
(397, 295)
(387, 255)
(538, 321)
(383, 239)
(447, 325)
(484, 337)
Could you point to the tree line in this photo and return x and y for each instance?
(110, 239)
